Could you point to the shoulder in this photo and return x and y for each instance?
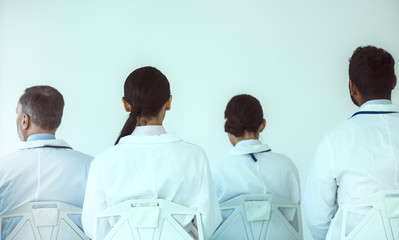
(190, 147)
(175, 148)
(12, 156)
(226, 160)
(79, 155)
(343, 128)
(65, 151)
(108, 154)
(358, 123)
(279, 160)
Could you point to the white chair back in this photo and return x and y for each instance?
(260, 217)
(377, 217)
(147, 219)
(47, 220)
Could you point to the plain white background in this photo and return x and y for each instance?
(291, 55)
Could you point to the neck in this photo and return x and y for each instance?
(246, 136)
(148, 122)
(157, 120)
(363, 100)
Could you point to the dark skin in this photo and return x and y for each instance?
(357, 97)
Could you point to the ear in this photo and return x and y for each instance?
(127, 106)
(262, 125)
(394, 83)
(168, 104)
(25, 121)
(352, 88)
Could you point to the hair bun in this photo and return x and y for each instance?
(234, 126)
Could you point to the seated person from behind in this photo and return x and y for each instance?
(43, 168)
(359, 157)
(250, 167)
(148, 163)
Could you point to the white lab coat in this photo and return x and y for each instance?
(37, 173)
(152, 167)
(237, 173)
(361, 156)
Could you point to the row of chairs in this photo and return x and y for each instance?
(247, 217)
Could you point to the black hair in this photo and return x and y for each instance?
(371, 69)
(146, 89)
(45, 106)
(243, 112)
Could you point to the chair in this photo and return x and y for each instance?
(47, 220)
(377, 215)
(260, 217)
(146, 219)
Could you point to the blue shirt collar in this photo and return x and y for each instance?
(40, 136)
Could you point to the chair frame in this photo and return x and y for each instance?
(237, 204)
(167, 209)
(377, 204)
(26, 212)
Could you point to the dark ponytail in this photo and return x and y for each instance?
(146, 90)
(243, 112)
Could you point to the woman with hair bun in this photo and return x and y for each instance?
(147, 162)
(250, 167)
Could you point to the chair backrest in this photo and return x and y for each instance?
(377, 217)
(260, 217)
(147, 219)
(47, 220)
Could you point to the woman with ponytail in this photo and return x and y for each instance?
(250, 167)
(148, 162)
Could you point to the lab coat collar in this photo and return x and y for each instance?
(248, 146)
(150, 130)
(164, 138)
(43, 143)
(377, 101)
(375, 107)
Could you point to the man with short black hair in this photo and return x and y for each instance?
(360, 157)
(44, 168)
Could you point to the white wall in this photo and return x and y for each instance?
(291, 55)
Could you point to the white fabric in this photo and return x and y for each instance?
(154, 166)
(237, 173)
(358, 158)
(149, 130)
(37, 173)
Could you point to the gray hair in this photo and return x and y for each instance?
(44, 104)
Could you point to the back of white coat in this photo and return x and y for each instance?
(152, 167)
(355, 160)
(44, 170)
(252, 168)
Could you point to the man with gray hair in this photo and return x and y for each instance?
(44, 168)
